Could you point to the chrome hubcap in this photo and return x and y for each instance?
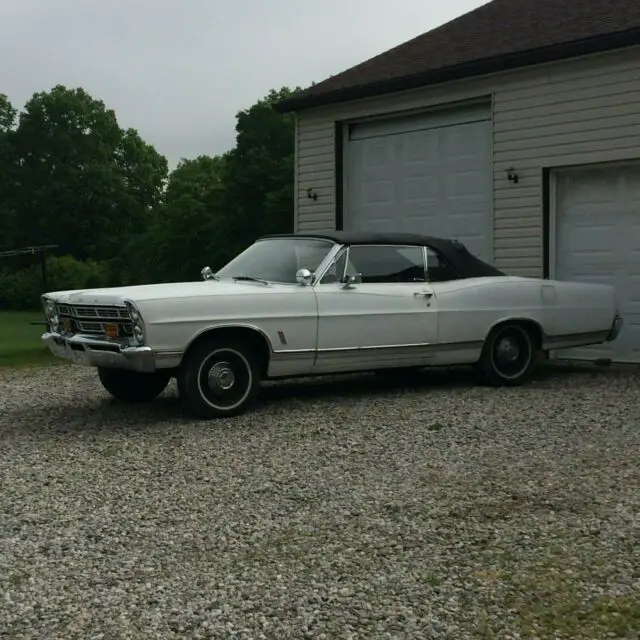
(507, 350)
(221, 377)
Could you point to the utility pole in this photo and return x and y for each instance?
(40, 250)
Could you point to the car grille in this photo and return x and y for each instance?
(93, 320)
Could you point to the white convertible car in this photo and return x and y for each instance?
(313, 304)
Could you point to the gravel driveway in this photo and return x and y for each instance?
(342, 508)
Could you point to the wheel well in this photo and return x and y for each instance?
(256, 341)
(531, 325)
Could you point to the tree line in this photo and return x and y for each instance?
(71, 176)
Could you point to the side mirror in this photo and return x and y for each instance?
(207, 274)
(349, 281)
(304, 277)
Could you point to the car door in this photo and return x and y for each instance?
(387, 317)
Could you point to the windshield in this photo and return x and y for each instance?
(277, 259)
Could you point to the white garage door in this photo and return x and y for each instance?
(597, 226)
(423, 174)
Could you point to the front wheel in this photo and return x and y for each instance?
(218, 379)
(508, 356)
(133, 386)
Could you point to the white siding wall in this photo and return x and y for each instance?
(574, 112)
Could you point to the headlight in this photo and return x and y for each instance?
(51, 313)
(138, 323)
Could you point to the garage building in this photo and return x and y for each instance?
(515, 128)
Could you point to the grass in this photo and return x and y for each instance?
(20, 343)
(554, 596)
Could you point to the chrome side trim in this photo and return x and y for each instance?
(284, 352)
(327, 361)
(575, 339)
(297, 354)
(419, 345)
(396, 356)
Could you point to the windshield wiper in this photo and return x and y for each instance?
(249, 279)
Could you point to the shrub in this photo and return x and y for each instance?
(21, 289)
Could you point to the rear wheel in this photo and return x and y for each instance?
(133, 386)
(508, 356)
(219, 378)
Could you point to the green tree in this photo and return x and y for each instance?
(81, 181)
(185, 234)
(215, 206)
(7, 213)
(7, 114)
(260, 173)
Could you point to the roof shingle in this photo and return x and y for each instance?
(494, 36)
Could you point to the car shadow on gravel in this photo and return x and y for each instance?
(364, 384)
(101, 413)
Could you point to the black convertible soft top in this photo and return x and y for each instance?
(453, 251)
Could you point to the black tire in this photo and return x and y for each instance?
(133, 386)
(218, 379)
(508, 356)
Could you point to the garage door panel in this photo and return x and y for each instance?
(416, 148)
(442, 183)
(374, 154)
(465, 141)
(633, 300)
(378, 192)
(420, 188)
(467, 184)
(597, 230)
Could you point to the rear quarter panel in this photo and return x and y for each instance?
(468, 309)
(582, 307)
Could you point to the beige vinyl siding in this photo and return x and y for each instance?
(316, 170)
(573, 112)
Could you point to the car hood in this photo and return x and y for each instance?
(150, 292)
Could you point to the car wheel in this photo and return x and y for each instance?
(133, 386)
(218, 379)
(508, 355)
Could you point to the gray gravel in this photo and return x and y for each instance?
(341, 508)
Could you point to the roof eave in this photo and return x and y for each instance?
(599, 44)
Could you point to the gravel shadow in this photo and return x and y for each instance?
(91, 410)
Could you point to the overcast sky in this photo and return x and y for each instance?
(178, 71)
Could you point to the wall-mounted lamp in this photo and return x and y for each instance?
(512, 176)
(311, 194)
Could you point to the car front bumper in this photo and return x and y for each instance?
(616, 327)
(92, 352)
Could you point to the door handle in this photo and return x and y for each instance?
(423, 294)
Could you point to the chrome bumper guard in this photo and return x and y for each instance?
(615, 328)
(90, 352)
